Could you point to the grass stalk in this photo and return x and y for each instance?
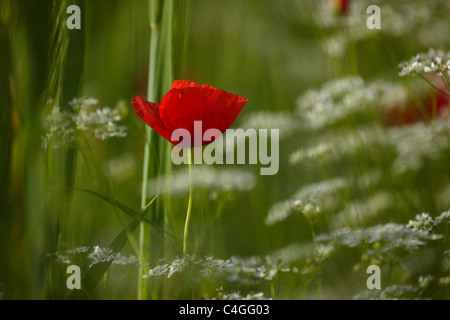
(189, 208)
(144, 230)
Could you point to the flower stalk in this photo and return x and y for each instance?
(189, 208)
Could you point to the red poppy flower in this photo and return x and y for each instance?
(187, 102)
(431, 106)
(341, 6)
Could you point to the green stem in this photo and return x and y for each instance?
(144, 230)
(431, 84)
(189, 209)
(313, 232)
(272, 287)
(446, 81)
(142, 282)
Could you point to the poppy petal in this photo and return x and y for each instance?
(187, 102)
(224, 108)
(149, 113)
(181, 107)
(181, 84)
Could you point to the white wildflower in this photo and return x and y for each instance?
(58, 128)
(253, 269)
(211, 266)
(283, 121)
(359, 211)
(94, 254)
(58, 257)
(432, 61)
(444, 281)
(100, 255)
(206, 177)
(349, 142)
(293, 252)
(369, 179)
(391, 239)
(418, 142)
(398, 18)
(311, 199)
(221, 295)
(422, 222)
(178, 265)
(123, 260)
(391, 292)
(78, 251)
(316, 152)
(158, 271)
(61, 127)
(339, 98)
(120, 168)
(425, 281)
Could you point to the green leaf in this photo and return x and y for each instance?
(96, 272)
(114, 202)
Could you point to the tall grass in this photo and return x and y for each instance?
(357, 185)
(64, 84)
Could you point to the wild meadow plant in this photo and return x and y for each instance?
(364, 136)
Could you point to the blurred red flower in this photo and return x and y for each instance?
(432, 105)
(187, 102)
(341, 6)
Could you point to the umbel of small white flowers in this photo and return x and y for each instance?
(433, 61)
(62, 127)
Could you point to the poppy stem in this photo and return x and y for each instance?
(189, 209)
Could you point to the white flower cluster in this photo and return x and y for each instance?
(78, 251)
(58, 128)
(424, 222)
(339, 98)
(178, 265)
(209, 178)
(293, 252)
(359, 211)
(313, 153)
(271, 120)
(221, 295)
(61, 127)
(418, 142)
(209, 266)
(414, 144)
(120, 168)
(433, 61)
(408, 291)
(390, 238)
(398, 18)
(348, 142)
(391, 241)
(253, 269)
(311, 199)
(100, 255)
(242, 270)
(94, 254)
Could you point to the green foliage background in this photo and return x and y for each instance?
(268, 51)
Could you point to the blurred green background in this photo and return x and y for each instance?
(270, 52)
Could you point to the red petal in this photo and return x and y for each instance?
(224, 109)
(186, 103)
(149, 113)
(181, 84)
